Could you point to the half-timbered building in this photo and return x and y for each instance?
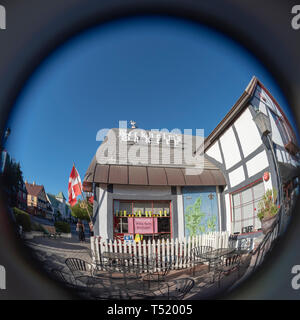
(162, 199)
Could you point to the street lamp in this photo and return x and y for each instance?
(263, 123)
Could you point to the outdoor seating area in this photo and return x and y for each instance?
(120, 275)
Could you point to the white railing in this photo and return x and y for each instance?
(169, 250)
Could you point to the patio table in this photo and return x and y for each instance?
(215, 255)
(115, 259)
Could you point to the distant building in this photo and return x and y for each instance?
(59, 205)
(22, 196)
(37, 201)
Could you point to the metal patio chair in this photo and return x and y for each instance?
(79, 267)
(156, 271)
(227, 264)
(66, 279)
(196, 256)
(177, 289)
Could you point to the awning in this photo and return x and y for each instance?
(148, 175)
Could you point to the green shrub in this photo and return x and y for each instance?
(63, 227)
(22, 219)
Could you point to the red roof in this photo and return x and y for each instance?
(33, 189)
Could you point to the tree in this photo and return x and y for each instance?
(12, 178)
(79, 210)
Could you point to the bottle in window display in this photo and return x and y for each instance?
(165, 213)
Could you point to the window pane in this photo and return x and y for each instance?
(161, 208)
(236, 199)
(148, 208)
(247, 196)
(237, 227)
(258, 190)
(139, 208)
(163, 224)
(244, 215)
(237, 214)
(124, 222)
(122, 208)
(248, 212)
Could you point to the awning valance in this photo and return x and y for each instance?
(148, 175)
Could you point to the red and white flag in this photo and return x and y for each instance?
(75, 186)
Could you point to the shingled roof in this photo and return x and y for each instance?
(33, 189)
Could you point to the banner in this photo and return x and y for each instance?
(142, 225)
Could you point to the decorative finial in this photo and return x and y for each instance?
(133, 124)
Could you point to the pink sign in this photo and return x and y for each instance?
(142, 225)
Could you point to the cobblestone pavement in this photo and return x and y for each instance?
(53, 253)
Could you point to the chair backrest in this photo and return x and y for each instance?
(200, 250)
(178, 289)
(63, 277)
(75, 264)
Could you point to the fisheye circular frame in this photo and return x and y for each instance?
(55, 27)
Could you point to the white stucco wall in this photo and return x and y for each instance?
(230, 148)
(228, 212)
(248, 133)
(180, 212)
(214, 152)
(219, 207)
(102, 213)
(236, 176)
(257, 164)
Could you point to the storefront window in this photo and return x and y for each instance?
(143, 219)
(245, 206)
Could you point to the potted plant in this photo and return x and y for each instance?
(267, 210)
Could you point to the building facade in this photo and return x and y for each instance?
(60, 208)
(163, 200)
(37, 201)
(22, 196)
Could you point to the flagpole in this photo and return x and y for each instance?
(82, 193)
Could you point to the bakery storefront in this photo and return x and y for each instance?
(151, 202)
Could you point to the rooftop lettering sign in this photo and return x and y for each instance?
(154, 147)
(154, 137)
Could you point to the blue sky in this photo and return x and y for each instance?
(161, 72)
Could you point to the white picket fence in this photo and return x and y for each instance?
(162, 250)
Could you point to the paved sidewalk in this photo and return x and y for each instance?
(54, 252)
